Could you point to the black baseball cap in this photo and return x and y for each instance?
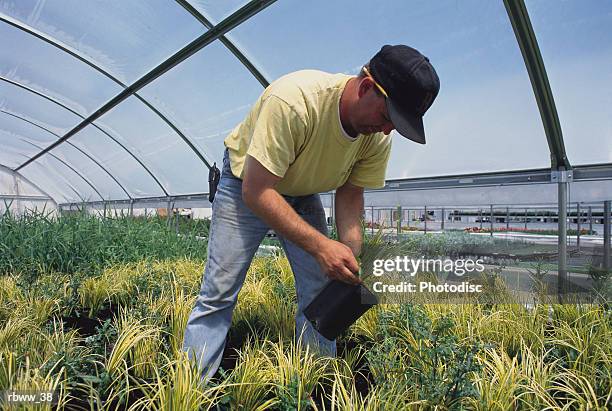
(411, 84)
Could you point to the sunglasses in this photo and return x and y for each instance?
(382, 90)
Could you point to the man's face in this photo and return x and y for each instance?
(371, 114)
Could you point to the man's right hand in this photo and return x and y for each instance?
(337, 261)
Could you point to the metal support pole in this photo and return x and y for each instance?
(168, 211)
(480, 217)
(425, 217)
(590, 220)
(525, 219)
(372, 218)
(399, 221)
(491, 219)
(562, 240)
(507, 219)
(132, 208)
(443, 218)
(606, 220)
(408, 219)
(578, 226)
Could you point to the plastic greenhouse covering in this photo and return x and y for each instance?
(131, 100)
(485, 260)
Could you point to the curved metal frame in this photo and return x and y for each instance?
(245, 12)
(560, 165)
(67, 49)
(72, 145)
(526, 39)
(132, 89)
(215, 32)
(51, 99)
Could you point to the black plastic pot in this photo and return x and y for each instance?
(338, 306)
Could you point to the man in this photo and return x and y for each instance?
(309, 132)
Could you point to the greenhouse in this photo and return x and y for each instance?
(114, 119)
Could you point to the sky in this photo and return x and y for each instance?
(484, 119)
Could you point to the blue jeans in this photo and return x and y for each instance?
(234, 237)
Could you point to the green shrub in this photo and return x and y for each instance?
(424, 356)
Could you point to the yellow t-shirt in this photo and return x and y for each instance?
(294, 131)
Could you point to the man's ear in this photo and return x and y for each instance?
(365, 85)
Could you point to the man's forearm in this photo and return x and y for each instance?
(272, 208)
(349, 212)
(335, 259)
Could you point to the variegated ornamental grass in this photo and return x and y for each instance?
(552, 357)
(533, 360)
